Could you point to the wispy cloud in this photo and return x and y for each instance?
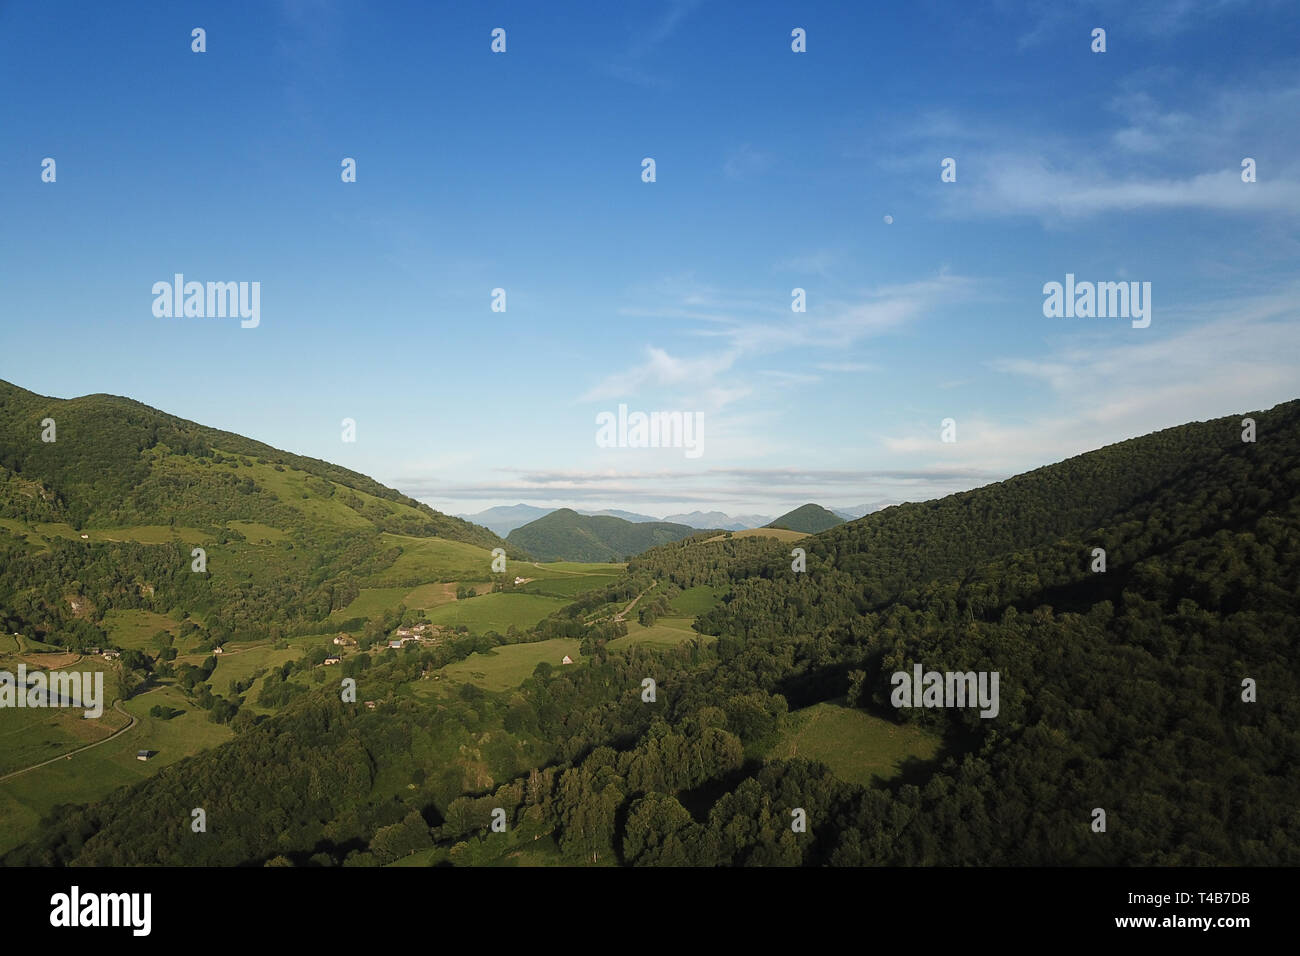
(632, 65)
(659, 368)
(830, 327)
(1101, 391)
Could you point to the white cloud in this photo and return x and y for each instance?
(1105, 390)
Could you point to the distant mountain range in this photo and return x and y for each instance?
(716, 519)
(504, 519)
(566, 535)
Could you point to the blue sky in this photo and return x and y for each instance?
(775, 170)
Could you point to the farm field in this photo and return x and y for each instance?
(510, 665)
(373, 602)
(496, 612)
(858, 747)
(567, 586)
(430, 595)
(573, 567)
(438, 565)
(28, 736)
(91, 775)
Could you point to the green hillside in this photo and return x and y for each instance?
(565, 535)
(1160, 689)
(117, 462)
(809, 518)
(108, 514)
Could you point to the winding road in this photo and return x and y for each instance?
(117, 706)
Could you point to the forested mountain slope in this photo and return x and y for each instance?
(1161, 690)
(116, 461)
(565, 535)
(809, 518)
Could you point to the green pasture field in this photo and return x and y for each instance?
(135, 628)
(431, 559)
(666, 632)
(240, 662)
(567, 567)
(696, 600)
(858, 747)
(256, 532)
(433, 594)
(496, 612)
(373, 602)
(510, 665)
(91, 775)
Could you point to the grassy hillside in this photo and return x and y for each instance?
(565, 535)
(809, 519)
(115, 461)
(106, 516)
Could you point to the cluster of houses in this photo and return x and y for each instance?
(416, 634)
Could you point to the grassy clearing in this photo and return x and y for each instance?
(432, 594)
(567, 586)
(187, 734)
(257, 533)
(781, 534)
(92, 775)
(136, 628)
(666, 632)
(40, 533)
(496, 612)
(696, 600)
(28, 736)
(570, 567)
(241, 662)
(373, 602)
(509, 666)
(858, 747)
(431, 559)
